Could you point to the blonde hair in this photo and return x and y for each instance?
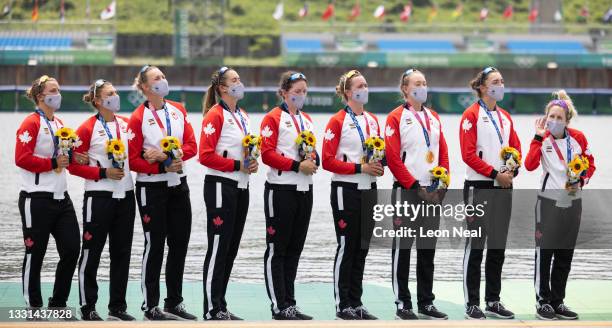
(141, 77)
(344, 83)
(405, 80)
(563, 100)
(37, 88)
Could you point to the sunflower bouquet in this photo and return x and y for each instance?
(375, 149)
(576, 169)
(511, 158)
(252, 148)
(171, 146)
(306, 142)
(440, 179)
(67, 140)
(116, 153)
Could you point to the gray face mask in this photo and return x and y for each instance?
(360, 96)
(161, 88)
(556, 128)
(298, 100)
(236, 91)
(112, 103)
(419, 94)
(496, 92)
(53, 101)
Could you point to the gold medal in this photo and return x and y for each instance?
(429, 157)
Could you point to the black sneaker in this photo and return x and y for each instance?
(347, 314)
(119, 316)
(545, 312)
(474, 312)
(564, 313)
(90, 315)
(180, 313)
(70, 314)
(289, 313)
(221, 315)
(233, 316)
(405, 314)
(156, 314)
(363, 313)
(497, 310)
(300, 315)
(430, 312)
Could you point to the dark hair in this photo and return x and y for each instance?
(37, 88)
(141, 77)
(405, 80)
(344, 83)
(94, 91)
(288, 79)
(217, 79)
(480, 79)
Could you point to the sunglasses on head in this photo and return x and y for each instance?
(97, 85)
(297, 76)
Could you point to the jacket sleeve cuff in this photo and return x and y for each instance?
(516, 172)
(236, 165)
(295, 166)
(493, 174)
(161, 167)
(538, 138)
(357, 168)
(102, 173)
(415, 185)
(54, 163)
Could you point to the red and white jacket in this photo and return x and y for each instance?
(94, 141)
(33, 155)
(148, 134)
(221, 147)
(342, 148)
(279, 150)
(406, 148)
(554, 171)
(480, 146)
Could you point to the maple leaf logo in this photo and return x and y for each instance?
(87, 236)
(266, 132)
(25, 137)
(28, 242)
(217, 221)
(209, 129)
(466, 126)
(271, 231)
(329, 135)
(130, 135)
(146, 218)
(342, 224)
(389, 131)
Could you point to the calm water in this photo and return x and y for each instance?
(317, 259)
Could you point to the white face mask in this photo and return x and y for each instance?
(161, 88)
(360, 96)
(419, 94)
(53, 101)
(298, 100)
(111, 103)
(236, 91)
(556, 128)
(496, 92)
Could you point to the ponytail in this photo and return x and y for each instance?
(563, 100)
(210, 97)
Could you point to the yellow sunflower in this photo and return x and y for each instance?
(378, 143)
(65, 133)
(115, 146)
(579, 164)
(512, 151)
(169, 143)
(441, 173)
(246, 141)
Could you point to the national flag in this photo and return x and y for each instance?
(508, 12)
(558, 16)
(355, 12)
(584, 12)
(484, 14)
(379, 12)
(109, 12)
(406, 13)
(278, 11)
(6, 10)
(35, 11)
(329, 12)
(303, 12)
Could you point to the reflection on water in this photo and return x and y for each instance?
(317, 259)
